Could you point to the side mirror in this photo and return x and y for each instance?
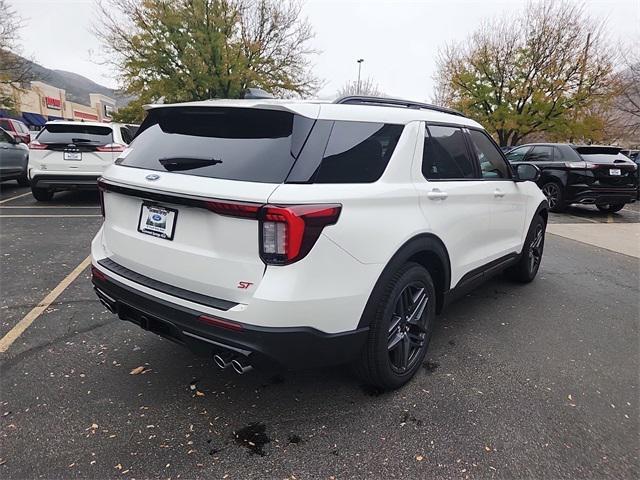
(527, 172)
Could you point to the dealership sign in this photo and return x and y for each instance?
(53, 103)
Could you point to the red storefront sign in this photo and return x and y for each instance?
(85, 116)
(53, 103)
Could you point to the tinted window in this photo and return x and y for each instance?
(229, 143)
(445, 154)
(540, 154)
(492, 165)
(4, 136)
(357, 152)
(126, 135)
(517, 154)
(75, 133)
(4, 123)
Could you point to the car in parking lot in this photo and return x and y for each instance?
(296, 234)
(16, 128)
(68, 155)
(582, 174)
(14, 159)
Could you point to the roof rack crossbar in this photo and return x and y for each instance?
(394, 102)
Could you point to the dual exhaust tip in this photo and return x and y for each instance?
(223, 361)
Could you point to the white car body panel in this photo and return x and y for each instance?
(329, 288)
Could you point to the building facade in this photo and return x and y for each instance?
(42, 102)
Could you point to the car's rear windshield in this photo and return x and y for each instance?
(260, 145)
(65, 133)
(227, 143)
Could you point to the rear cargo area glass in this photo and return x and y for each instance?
(77, 133)
(227, 143)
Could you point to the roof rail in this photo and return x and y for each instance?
(394, 102)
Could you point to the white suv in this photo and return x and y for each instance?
(297, 234)
(70, 155)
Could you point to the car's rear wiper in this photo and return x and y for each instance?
(178, 164)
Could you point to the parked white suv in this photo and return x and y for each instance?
(289, 234)
(69, 155)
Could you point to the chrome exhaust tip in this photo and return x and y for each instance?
(239, 368)
(222, 360)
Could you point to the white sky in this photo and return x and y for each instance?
(398, 39)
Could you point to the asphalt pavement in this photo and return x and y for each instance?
(521, 381)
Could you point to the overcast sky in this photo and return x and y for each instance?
(398, 39)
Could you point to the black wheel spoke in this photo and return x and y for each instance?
(394, 341)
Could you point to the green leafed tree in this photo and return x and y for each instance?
(541, 73)
(184, 50)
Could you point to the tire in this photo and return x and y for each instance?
(555, 196)
(393, 331)
(611, 208)
(41, 194)
(23, 181)
(527, 267)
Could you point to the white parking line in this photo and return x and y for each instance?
(14, 198)
(47, 216)
(29, 318)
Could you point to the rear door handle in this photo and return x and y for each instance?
(498, 193)
(437, 194)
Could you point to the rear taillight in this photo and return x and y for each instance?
(233, 209)
(112, 147)
(36, 145)
(287, 233)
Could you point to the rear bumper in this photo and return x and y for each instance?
(270, 347)
(604, 196)
(58, 181)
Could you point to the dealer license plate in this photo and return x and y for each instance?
(72, 155)
(615, 172)
(157, 221)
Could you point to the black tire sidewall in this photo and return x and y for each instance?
(412, 272)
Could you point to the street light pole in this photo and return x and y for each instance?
(360, 60)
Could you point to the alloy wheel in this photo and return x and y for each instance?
(408, 329)
(535, 249)
(552, 192)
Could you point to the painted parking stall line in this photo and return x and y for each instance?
(30, 317)
(14, 198)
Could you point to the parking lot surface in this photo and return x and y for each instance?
(533, 381)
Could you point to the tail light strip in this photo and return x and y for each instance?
(287, 233)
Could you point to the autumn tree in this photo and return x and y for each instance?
(183, 50)
(367, 87)
(541, 72)
(14, 69)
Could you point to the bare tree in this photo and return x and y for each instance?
(540, 72)
(14, 69)
(627, 104)
(367, 87)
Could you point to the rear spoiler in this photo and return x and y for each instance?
(597, 149)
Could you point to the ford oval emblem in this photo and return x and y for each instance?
(156, 217)
(152, 177)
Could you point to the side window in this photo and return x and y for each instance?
(492, 165)
(126, 135)
(445, 154)
(517, 154)
(357, 152)
(540, 153)
(5, 137)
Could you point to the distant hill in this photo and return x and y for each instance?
(77, 87)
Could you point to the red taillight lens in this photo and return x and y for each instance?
(36, 145)
(112, 147)
(219, 322)
(233, 209)
(287, 233)
(95, 273)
